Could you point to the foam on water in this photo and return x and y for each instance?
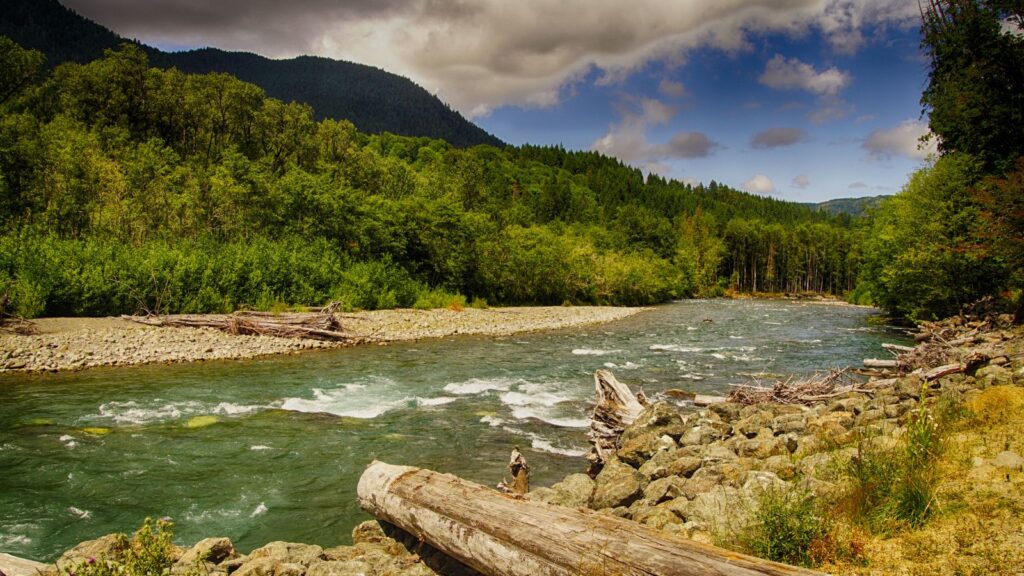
(593, 352)
(481, 385)
(543, 445)
(132, 412)
(259, 447)
(673, 348)
(69, 441)
(492, 421)
(439, 401)
(83, 514)
(259, 511)
(364, 401)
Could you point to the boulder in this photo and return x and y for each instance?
(684, 467)
(664, 489)
(213, 550)
(781, 466)
(304, 554)
(1009, 460)
(657, 518)
(659, 419)
(340, 568)
(751, 425)
(573, 492)
(263, 566)
(762, 447)
(701, 434)
(728, 411)
(679, 506)
(720, 507)
(789, 423)
(639, 449)
(109, 547)
(618, 484)
(993, 375)
(658, 465)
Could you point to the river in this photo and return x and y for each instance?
(271, 449)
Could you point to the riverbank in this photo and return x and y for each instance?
(60, 344)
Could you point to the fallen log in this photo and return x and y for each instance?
(705, 400)
(940, 371)
(897, 347)
(500, 534)
(876, 363)
(322, 325)
(617, 407)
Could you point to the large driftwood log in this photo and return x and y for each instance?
(321, 325)
(499, 534)
(616, 408)
(875, 363)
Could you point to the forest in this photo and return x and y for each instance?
(127, 187)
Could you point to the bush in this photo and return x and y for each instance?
(148, 553)
(895, 488)
(787, 525)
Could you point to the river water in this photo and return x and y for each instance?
(272, 449)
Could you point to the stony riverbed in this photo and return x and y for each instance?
(60, 344)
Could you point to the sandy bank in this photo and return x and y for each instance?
(79, 343)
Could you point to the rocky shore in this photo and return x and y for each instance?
(59, 344)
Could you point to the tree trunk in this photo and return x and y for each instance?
(616, 408)
(499, 534)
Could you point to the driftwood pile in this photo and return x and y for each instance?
(806, 391)
(320, 325)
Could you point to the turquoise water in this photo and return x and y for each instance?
(86, 454)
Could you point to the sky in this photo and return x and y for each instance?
(805, 100)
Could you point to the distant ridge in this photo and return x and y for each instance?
(372, 99)
(851, 206)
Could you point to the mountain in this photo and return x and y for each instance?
(852, 206)
(372, 99)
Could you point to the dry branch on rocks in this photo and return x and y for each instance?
(805, 391)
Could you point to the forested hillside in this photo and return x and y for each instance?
(955, 233)
(127, 187)
(372, 99)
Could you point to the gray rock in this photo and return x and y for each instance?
(214, 550)
(289, 569)
(728, 411)
(340, 568)
(657, 518)
(658, 465)
(789, 423)
(685, 466)
(721, 506)
(1008, 459)
(659, 419)
(618, 484)
(751, 425)
(781, 466)
(574, 491)
(678, 506)
(700, 434)
(761, 447)
(109, 547)
(263, 566)
(664, 489)
(304, 554)
(993, 375)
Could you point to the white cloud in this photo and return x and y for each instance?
(759, 184)
(627, 139)
(802, 182)
(783, 73)
(487, 53)
(904, 139)
(672, 89)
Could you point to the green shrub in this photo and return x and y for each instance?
(148, 553)
(895, 487)
(786, 524)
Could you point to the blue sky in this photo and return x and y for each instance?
(721, 97)
(805, 100)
